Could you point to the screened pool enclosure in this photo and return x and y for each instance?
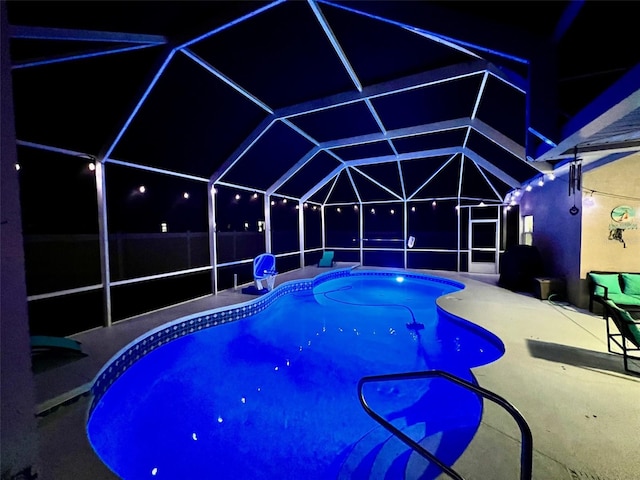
(164, 145)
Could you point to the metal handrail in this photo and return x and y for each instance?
(526, 451)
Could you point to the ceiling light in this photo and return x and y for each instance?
(528, 188)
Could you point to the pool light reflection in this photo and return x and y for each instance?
(399, 279)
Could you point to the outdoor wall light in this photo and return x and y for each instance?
(433, 204)
(91, 167)
(541, 183)
(413, 209)
(528, 188)
(284, 200)
(142, 189)
(237, 196)
(17, 166)
(393, 211)
(185, 195)
(373, 210)
(338, 210)
(273, 202)
(255, 195)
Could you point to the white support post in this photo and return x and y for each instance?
(103, 240)
(361, 233)
(213, 257)
(324, 239)
(267, 223)
(405, 232)
(301, 231)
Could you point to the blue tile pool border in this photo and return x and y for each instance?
(182, 326)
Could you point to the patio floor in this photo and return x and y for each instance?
(582, 408)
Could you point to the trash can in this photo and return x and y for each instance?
(544, 287)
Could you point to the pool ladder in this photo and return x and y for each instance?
(526, 451)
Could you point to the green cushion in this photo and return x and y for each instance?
(631, 283)
(609, 280)
(622, 299)
(634, 328)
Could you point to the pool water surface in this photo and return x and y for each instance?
(274, 396)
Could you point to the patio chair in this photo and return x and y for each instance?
(628, 338)
(327, 259)
(264, 269)
(46, 343)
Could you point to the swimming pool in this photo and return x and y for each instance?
(270, 392)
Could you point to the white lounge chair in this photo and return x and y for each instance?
(264, 269)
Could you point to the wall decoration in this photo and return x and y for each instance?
(623, 218)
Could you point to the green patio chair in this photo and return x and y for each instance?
(327, 259)
(628, 338)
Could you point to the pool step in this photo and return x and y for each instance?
(379, 455)
(417, 465)
(364, 452)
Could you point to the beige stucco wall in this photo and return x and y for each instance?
(613, 185)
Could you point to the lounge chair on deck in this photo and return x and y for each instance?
(628, 338)
(327, 259)
(264, 269)
(44, 343)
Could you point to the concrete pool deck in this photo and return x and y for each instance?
(582, 408)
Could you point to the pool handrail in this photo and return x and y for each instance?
(526, 451)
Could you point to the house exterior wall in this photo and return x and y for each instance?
(573, 245)
(616, 190)
(556, 232)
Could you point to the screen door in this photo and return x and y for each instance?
(483, 245)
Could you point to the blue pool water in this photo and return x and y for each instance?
(273, 395)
